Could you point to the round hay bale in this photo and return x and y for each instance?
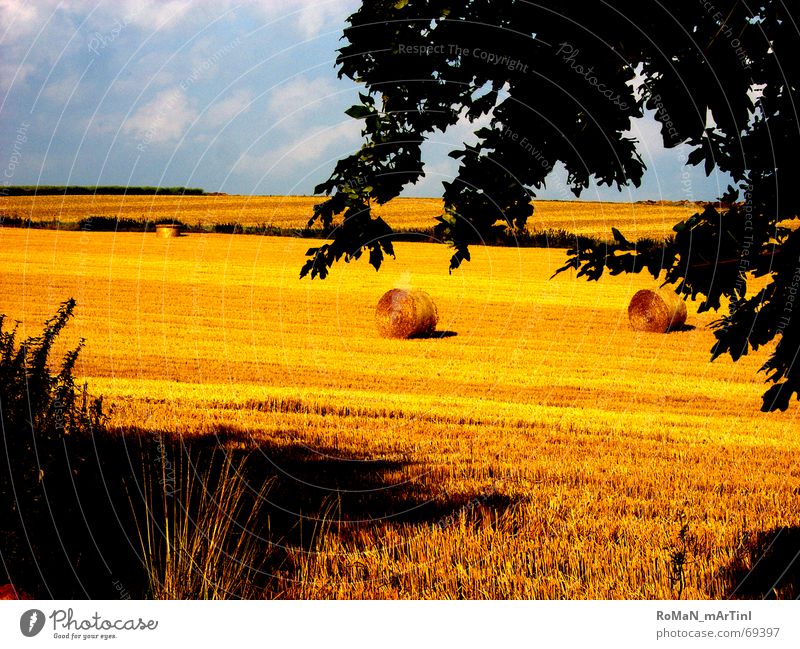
(406, 313)
(168, 230)
(657, 311)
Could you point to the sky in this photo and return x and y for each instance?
(235, 97)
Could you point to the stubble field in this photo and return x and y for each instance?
(538, 449)
(576, 217)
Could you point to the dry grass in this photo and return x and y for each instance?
(577, 217)
(545, 451)
(196, 529)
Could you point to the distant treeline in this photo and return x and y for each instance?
(549, 238)
(74, 190)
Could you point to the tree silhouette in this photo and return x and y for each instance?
(560, 82)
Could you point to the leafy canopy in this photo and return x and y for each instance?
(560, 82)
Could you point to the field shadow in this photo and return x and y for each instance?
(768, 566)
(89, 544)
(77, 538)
(682, 328)
(309, 483)
(321, 490)
(433, 335)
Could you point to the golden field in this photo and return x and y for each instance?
(577, 217)
(541, 449)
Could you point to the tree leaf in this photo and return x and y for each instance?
(358, 111)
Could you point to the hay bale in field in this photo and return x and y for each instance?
(405, 313)
(657, 311)
(168, 230)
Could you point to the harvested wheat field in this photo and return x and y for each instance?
(538, 448)
(636, 220)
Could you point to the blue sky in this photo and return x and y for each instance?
(229, 96)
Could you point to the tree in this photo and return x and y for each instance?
(560, 82)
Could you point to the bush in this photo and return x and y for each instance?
(39, 409)
(41, 413)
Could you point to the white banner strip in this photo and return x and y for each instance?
(383, 625)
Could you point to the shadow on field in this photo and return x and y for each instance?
(76, 537)
(682, 328)
(320, 484)
(113, 490)
(433, 335)
(768, 566)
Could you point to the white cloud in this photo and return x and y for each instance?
(35, 33)
(224, 110)
(99, 124)
(155, 14)
(58, 21)
(19, 16)
(148, 71)
(163, 119)
(292, 108)
(648, 132)
(310, 16)
(315, 145)
(295, 101)
(463, 131)
(319, 142)
(59, 90)
(14, 73)
(32, 37)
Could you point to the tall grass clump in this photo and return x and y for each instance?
(199, 531)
